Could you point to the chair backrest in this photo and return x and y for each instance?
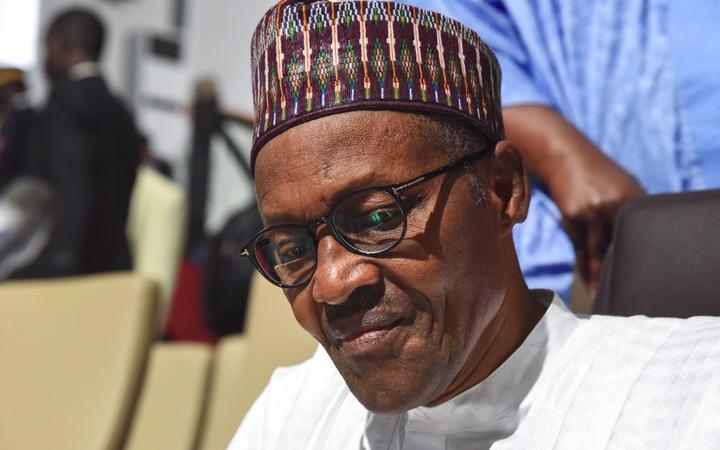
(71, 359)
(227, 397)
(665, 258)
(170, 410)
(243, 364)
(156, 226)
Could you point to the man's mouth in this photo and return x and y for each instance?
(362, 334)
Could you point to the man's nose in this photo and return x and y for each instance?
(339, 272)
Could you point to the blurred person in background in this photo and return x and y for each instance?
(88, 148)
(16, 121)
(608, 101)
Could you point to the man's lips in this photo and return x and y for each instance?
(363, 326)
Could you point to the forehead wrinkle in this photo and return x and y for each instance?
(316, 162)
(355, 133)
(276, 203)
(382, 143)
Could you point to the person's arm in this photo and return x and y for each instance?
(586, 185)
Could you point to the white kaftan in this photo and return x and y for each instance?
(575, 383)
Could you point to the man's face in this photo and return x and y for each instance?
(55, 64)
(399, 327)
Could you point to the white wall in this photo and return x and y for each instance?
(218, 34)
(221, 45)
(18, 32)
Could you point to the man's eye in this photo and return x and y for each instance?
(291, 253)
(413, 202)
(378, 219)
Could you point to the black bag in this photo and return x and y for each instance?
(228, 274)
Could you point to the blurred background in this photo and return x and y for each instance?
(213, 39)
(180, 67)
(126, 131)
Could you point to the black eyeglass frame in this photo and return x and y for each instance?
(393, 190)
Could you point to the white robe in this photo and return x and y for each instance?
(575, 383)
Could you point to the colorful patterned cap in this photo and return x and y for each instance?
(315, 58)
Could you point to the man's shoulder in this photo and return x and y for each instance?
(673, 385)
(665, 332)
(638, 351)
(658, 375)
(628, 341)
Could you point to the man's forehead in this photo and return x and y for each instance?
(376, 141)
(334, 155)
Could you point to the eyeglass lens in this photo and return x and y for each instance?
(369, 222)
(286, 255)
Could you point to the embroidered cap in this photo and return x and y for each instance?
(315, 58)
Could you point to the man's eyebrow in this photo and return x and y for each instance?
(280, 218)
(285, 242)
(353, 183)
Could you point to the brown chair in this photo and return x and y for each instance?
(665, 259)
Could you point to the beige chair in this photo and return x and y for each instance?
(170, 411)
(71, 358)
(243, 364)
(226, 403)
(156, 226)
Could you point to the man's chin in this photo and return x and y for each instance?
(392, 395)
(386, 380)
(389, 402)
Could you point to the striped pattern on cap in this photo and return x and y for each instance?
(315, 58)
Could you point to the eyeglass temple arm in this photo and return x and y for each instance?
(442, 170)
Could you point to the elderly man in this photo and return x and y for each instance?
(389, 197)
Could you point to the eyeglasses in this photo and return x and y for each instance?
(368, 222)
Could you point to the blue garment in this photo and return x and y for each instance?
(640, 78)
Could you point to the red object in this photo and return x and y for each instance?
(187, 320)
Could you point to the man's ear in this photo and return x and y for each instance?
(510, 185)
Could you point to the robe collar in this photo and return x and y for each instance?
(495, 406)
